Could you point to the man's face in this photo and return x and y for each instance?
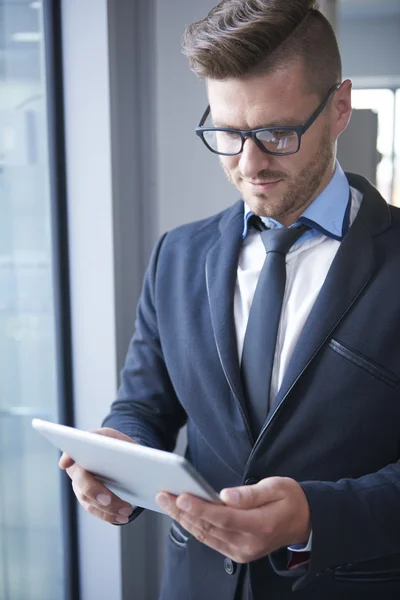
(279, 186)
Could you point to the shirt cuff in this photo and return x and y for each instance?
(302, 547)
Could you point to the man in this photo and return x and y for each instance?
(272, 330)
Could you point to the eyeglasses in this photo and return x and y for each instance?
(278, 141)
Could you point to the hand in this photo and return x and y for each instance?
(254, 520)
(91, 494)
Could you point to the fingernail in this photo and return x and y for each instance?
(121, 520)
(230, 496)
(163, 501)
(104, 499)
(126, 511)
(183, 503)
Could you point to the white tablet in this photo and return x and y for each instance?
(134, 473)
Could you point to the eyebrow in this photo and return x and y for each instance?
(273, 125)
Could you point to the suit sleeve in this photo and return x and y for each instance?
(356, 527)
(146, 408)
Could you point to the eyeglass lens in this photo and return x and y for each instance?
(280, 141)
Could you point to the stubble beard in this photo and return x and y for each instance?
(301, 187)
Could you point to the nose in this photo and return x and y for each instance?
(253, 160)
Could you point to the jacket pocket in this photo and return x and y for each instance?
(364, 363)
(178, 536)
(374, 576)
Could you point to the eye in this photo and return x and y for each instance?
(279, 140)
(279, 134)
(228, 134)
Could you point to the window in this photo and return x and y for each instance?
(386, 103)
(396, 177)
(32, 548)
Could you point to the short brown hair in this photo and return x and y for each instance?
(241, 38)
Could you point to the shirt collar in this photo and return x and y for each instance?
(328, 213)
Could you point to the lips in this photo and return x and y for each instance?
(265, 185)
(263, 182)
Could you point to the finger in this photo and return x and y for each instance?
(104, 516)
(219, 544)
(225, 542)
(166, 502)
(241, 547)
(205, 531)
(116, 512)
(217, 515)
(95, 493)
(113, 433)
(237, 545)
(194, 524)
(253, 496)
(65, 461)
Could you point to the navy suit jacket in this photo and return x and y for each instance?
(334, 425)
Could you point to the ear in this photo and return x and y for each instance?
(341, 111)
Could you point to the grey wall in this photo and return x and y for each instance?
(191, 184)
(370, 47)
(90, 210)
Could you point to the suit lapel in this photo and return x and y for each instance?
(349, 274)
(221, 274)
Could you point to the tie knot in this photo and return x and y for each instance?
(281, 240)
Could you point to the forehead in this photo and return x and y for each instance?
(259, 100)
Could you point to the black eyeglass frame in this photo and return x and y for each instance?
(252, 133)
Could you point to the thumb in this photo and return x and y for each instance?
(252, 496)
(65, 461)
(113, 433)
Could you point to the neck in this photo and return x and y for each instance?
(290, 218)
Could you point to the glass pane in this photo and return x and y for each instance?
(396, 190)
(31, 549)
(381, 102)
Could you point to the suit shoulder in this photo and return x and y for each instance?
(395, 215)
(207, 227)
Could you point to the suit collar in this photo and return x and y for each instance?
(230, 216)
(328, 213)
(374, 211)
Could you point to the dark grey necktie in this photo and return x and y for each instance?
(262, 327)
